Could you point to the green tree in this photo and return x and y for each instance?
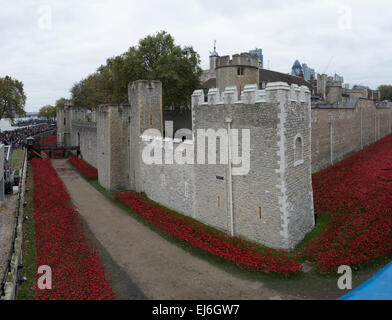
(60, 103)
(386, 92)
(48, 112)
(12, 98)
(92, 91)
(156, 57)
(177, 68)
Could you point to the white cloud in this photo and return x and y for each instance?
(85, 33)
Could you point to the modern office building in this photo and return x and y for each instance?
(299, 70)
(338, 78)
(309, 73)
(259, 53)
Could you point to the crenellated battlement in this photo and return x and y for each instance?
(252, 95)
(243, 59)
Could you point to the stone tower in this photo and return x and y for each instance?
(145, 99)
(113, 146)
(272, 203)
(241, 70)
(64, 124)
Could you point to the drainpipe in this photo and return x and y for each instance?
(229, 178)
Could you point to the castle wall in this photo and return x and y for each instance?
(357, 93)
(84, 135)
(211, 179)
(340, 132)
(171, 185)
(334, 94)
(295, 122)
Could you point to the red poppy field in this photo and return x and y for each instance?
(49, 142)
(357, 195)
(77, 269)
(84, 168)
(234, 250)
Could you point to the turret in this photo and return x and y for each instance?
(241, 70)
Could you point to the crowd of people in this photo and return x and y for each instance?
(16, 138)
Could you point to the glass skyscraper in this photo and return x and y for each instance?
(259, 53)
(307, 72)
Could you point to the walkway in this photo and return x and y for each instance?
(160, 269)
(7, 225)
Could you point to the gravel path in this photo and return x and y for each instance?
(158, 268)
(7, 224)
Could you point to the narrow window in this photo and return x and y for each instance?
(219, 202)
(65, 121)
(240, 71)
(298, 150)
(260, 213)
(150, 119)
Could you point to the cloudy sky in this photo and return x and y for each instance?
(49, 45)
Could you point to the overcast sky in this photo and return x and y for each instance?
(49, 45)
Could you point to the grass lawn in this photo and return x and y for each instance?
(17, 159)
(27, 290)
